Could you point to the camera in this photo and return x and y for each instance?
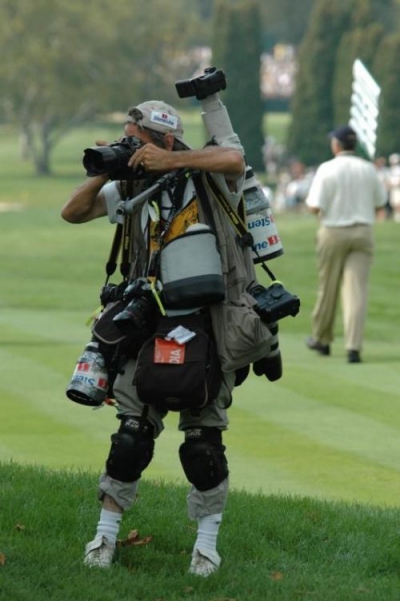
(140, 308)
(111, 293)
(274, 302)
(113, 159)
(211, 82)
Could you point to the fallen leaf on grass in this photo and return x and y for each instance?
(133, 540)
(2, 559)
(276, 576)
(19, 527)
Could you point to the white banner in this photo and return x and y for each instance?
(364, 111)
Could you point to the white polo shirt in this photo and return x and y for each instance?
(347, 191)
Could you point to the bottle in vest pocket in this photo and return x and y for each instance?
(260, 220)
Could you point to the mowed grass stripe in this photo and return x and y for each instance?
(326, 424)
(21, 326)
(276, 459)
(286, 424)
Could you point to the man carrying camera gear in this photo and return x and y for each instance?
(163, 219)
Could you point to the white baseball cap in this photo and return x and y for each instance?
(157, 115)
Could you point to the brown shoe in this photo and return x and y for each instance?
(314, 345)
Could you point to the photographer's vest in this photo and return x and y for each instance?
(237, 268)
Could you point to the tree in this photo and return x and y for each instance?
(46, 73)
(359, 43)
(312, 106)
(286, 21)
(64, 61)
(339, 32)
(385, 71)
(237, 50)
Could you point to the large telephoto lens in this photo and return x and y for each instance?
(105, 159)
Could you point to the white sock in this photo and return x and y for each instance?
(207, 533)
(108, 525)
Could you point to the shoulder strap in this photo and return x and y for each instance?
(122, 236)
(245, 237)
(111, 264)
(202, 194)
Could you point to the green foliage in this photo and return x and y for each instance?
(358, 43)
(286, 21)
(65, 61)
(272, 547)
(312, 107)
(340, 32)
(237, 51)
(385, 70)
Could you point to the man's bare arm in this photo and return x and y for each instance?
(215, 159)
(87, 202)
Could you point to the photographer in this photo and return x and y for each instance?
(158, 127)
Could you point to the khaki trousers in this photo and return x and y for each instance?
(344, 260)
(214, 415)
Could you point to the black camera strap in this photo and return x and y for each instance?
(238, 222)
(111, 264)
(122, 238)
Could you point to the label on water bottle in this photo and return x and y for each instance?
(90, 375)
(266, 239)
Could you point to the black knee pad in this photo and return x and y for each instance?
(131, 450)
(203, 458)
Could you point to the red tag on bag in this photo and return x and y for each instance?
(168, 351)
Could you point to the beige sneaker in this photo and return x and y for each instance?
(202, 565)
(99, 553)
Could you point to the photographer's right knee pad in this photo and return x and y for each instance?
(131, 450)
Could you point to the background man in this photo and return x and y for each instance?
(345, 194)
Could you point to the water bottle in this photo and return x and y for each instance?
(260, 220)
(89, 382)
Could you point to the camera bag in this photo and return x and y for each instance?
(176, 376)
(112, 338)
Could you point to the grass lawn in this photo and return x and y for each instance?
(273, 548)
(327, 429)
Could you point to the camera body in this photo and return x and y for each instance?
(113, 159)
(212, 82)
(111, 293)
(275, 302)
(141, 307)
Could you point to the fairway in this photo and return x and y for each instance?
(326, 429)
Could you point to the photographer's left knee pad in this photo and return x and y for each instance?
(203, 458)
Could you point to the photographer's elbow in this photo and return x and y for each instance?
(70, 215)
(67, 216)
